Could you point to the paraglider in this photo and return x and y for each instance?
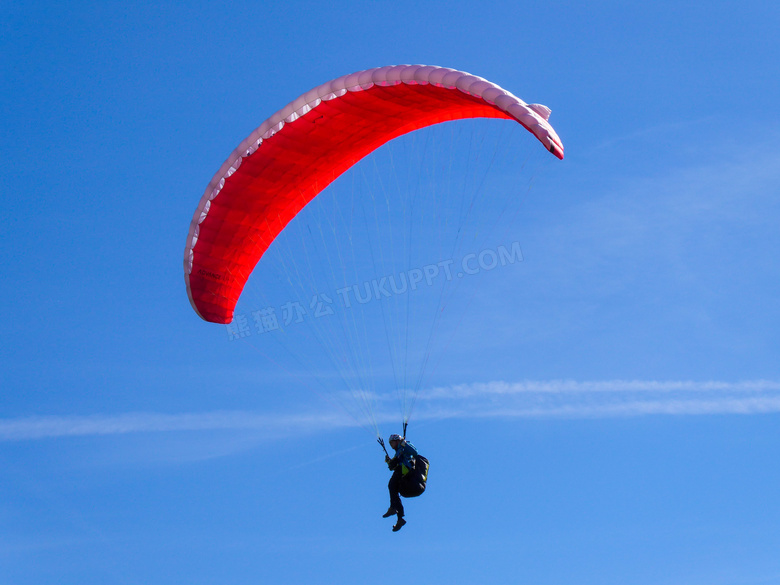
(285, 164)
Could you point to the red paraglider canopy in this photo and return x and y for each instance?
(304, 147)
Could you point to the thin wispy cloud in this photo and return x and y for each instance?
(46, 427)
(594, 399)
(504, 400)
(683, 212)
(623, 386)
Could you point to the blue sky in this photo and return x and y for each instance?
(607, 411)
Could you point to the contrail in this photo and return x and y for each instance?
(498, 399)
